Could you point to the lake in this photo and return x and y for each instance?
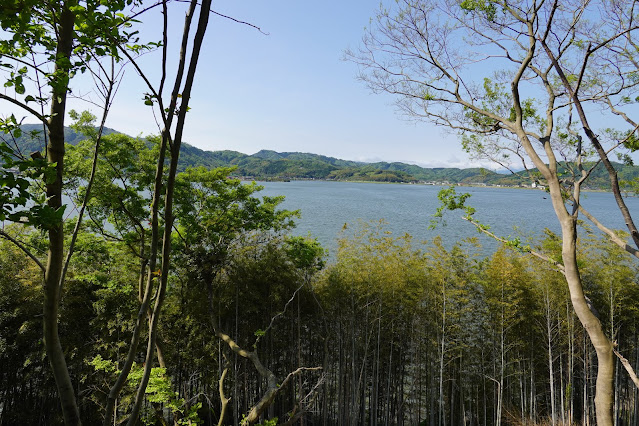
(327, 206)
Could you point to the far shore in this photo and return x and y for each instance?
(461, 184)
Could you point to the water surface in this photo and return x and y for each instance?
(327, 206)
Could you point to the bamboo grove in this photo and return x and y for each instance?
(388, 332)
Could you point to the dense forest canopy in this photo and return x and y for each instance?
(404, 333)
(176, 295)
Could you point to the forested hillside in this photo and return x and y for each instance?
(271, 165)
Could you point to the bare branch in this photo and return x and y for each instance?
(613, 237)
(224, 400)
(558, 266)
(279, 314)
(22, 247)
(110, 93)
(628, 368)
(230, 18)
(25, 107)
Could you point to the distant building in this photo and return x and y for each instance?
(538, 186)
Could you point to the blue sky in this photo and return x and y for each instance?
(289, 90)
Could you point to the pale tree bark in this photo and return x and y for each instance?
(273, 384)
(549, 340)
(273, 387)
(224, 401)
(145, 291)
(442, 349)
(109, 87)
(603, 155)
(61, 18)
(603, 346)
(157, 277)
(571, 362)
(592, 325)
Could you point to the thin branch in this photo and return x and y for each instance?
(612, 173)
(279, 314)
(108, 100)
(224, 400)
(25, 107)
(559, 267)
(230, 18)
(628, 368)
(239, 22)
(22, 247)
(621, 114)
(614, 237)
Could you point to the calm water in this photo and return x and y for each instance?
(327, 206)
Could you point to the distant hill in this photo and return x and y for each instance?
(32, 140)
(271, 165)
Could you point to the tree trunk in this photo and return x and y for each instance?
(586, 412)
(55, 261)
(571, 363)
(551, 373)
(603, 347)
(568, 222)
(168, 200)
(562, 396)
(441, 362)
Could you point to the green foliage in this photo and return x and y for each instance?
(31, 31)
(121, 195)
(269, 422)
(213, 210)
(450, 200)
(518, 245)
(371, 174)
(99, 28)
(159, 392)
(305, 252)
(610, 278)
(382, 310)
(18, 185)
(21, 352)
(270, 165)
(631, 142)
(507, 289)
(484, 7)
(373, 266)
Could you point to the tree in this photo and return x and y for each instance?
(517, 81)
(52, 41)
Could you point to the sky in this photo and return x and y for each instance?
(289, 90)
(286, 88)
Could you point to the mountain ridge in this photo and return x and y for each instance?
(272, 165)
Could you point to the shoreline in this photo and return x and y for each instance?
(442, 184)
